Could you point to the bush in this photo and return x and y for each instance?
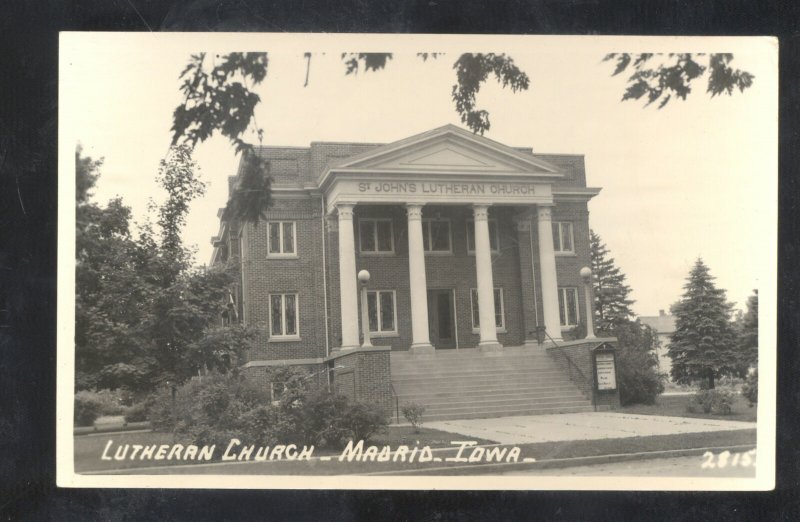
(136, 412)
(715, 402)
(638, 379)
(87, 408)
(750, 388)
(413, 413)
(363, 421)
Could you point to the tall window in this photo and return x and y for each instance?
(494, 235)
(376, 235)
(381, 311)
(499, 315)
(568, 306)
(283, 316)
(282, 240)
(562, 237)
(436, 235)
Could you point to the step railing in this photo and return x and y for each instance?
(583, 382)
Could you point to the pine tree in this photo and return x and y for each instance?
(748, 335)
(611, 303)
(704, 345)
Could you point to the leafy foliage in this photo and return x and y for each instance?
(657, 76)
(472, 70)
(750, 388)
(748, 334)
(87, 408)
(638, 379)
(413, 413)
(611, 302)
(368, 61)
(716, 402)
(703, 346)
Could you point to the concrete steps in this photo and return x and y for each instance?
(467, 384)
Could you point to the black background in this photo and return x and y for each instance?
(28, 210)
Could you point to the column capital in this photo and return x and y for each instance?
(345, 210)
(544, 212)
(481, 212)
(414, 211)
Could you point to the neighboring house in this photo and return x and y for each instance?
(664, 325)
(469, 244)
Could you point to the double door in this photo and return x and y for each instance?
(442, 318)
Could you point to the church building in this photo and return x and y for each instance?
(445, 254)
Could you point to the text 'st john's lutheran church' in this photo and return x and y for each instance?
(473, 250)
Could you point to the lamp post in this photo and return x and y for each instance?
(363, 279)
(586, 275)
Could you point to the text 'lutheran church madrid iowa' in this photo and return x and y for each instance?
(459, 257)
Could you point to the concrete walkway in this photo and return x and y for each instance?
(581, 426)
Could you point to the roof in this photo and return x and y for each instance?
(663, 324)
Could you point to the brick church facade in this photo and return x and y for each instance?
(471, 247)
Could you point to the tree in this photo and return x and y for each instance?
(703, 346)
(611, 303)
(748, 333)
(220, 98)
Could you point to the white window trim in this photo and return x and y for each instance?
(562, 292)
(492, 223)
(383, 333)
(557, 247)
(426, 231)
(282, 255)
(477, 329)
(375, 233)
(275, 338)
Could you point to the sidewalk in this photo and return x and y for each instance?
(582, 426)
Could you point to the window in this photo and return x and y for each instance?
(494, 236)
(436, 235)
(568, 306)
(281, 241)
(283, 316)
(499, 316)
(562, 237)
(381, 311)
(376, 235)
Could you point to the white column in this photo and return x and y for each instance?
(547, 270)
(418, 285)
(483, 265)
(348, 286)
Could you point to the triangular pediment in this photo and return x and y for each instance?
(447, 149)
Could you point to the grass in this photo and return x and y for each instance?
(675, 406)
(88, 449)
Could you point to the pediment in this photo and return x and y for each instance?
(448, 149)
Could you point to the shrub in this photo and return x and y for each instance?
(637, 379)
(364, 420)
(715, 402)
(87, 408)
(750, 388)
(136, 412)
(413, 413)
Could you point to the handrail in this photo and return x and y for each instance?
(396, 403)
(572, 364)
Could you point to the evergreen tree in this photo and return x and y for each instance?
(748, 335)
(611, 303)
(704, 345)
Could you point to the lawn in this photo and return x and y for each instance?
(89, 448)
(675, 406)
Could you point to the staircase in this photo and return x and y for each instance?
(466, 384)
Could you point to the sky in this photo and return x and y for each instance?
(697, 178)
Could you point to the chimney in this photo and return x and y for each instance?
(661, 313)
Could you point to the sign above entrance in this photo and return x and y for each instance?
(447, 188)
(424, 190)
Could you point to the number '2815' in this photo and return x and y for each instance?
(726, 458)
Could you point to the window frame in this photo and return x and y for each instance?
(376, 252)
(281, 254)
(472, 310)
(426, 232)
(563, 299)
(492, 223)
(273, 337)
(380, 332)
(558, 244)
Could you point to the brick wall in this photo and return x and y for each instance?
(580, 354)
(365, 376)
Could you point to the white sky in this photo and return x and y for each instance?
(697, 178)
